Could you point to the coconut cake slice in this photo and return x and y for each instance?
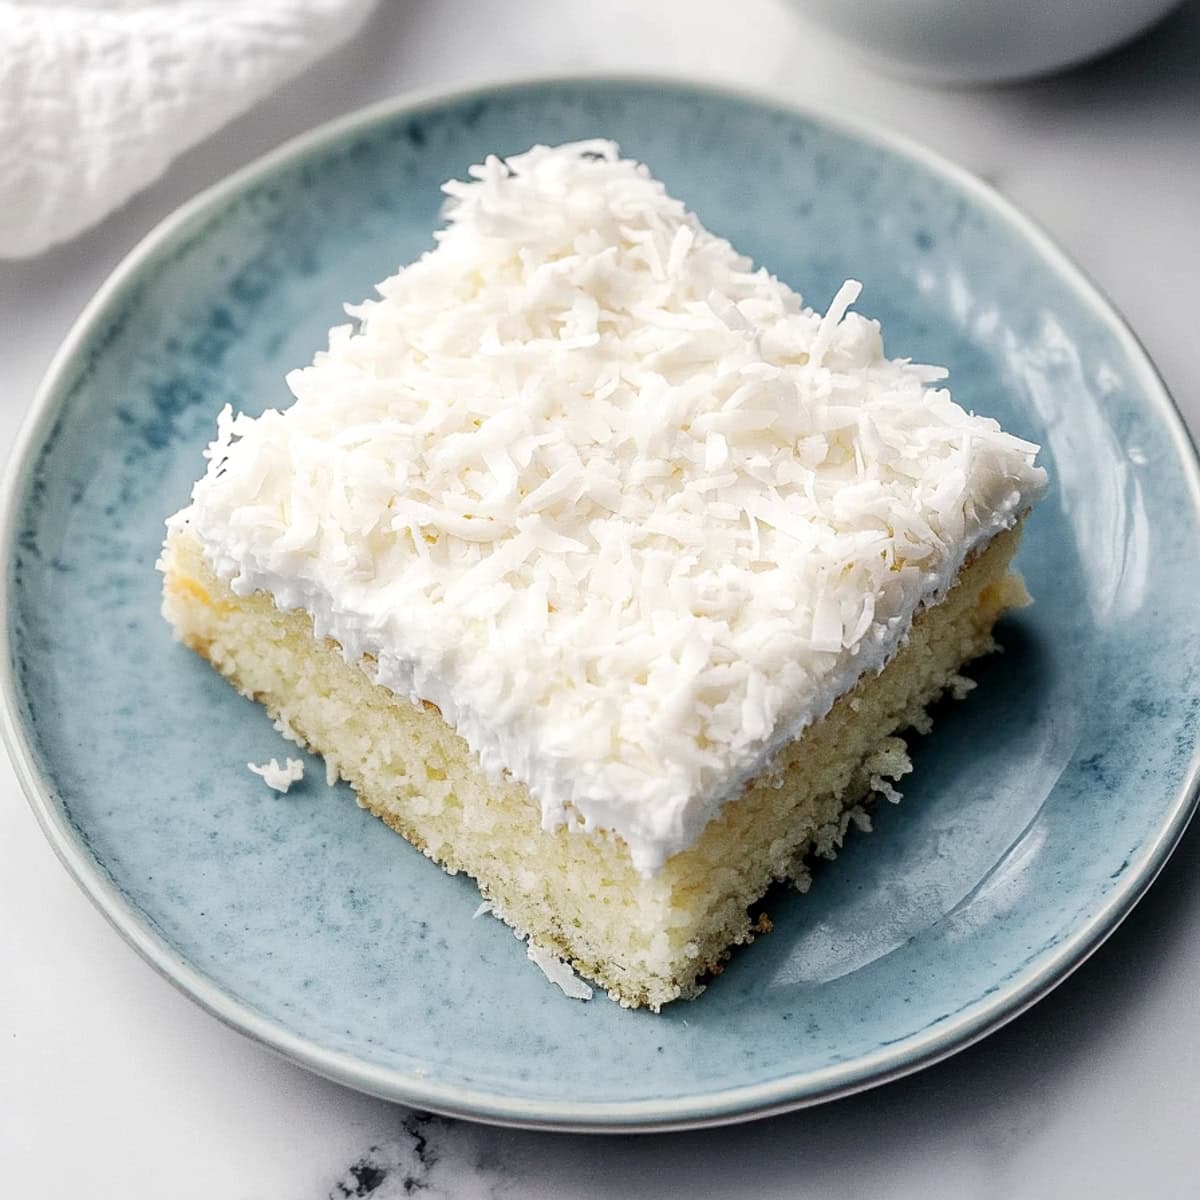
(600, 566)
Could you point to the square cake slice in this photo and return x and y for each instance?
(601, 567)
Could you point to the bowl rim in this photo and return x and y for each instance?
(709, 1108)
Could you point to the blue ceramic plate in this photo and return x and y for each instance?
(1038, 813)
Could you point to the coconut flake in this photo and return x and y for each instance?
(277, 777)
(558, 972)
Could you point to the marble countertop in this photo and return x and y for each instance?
(114, 1085)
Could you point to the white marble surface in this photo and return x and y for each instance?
(113, 1085)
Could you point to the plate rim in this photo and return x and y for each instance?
(714, 1106)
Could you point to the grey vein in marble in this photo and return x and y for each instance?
(434, 1158)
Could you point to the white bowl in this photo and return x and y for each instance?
(982, 41)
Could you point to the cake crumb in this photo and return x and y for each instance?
(885, 789)
(861, 819)
(284, 727)
(559, 973)
(277, 777)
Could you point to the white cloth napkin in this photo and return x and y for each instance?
(98, 96)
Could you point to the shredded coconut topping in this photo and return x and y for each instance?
(616, 502)
(277, 777)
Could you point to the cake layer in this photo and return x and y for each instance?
(619, 504)
(648, 940)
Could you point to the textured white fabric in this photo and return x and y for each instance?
(98, 96)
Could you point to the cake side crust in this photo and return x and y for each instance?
(647, 941)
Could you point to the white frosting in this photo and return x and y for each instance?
(618, 504)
